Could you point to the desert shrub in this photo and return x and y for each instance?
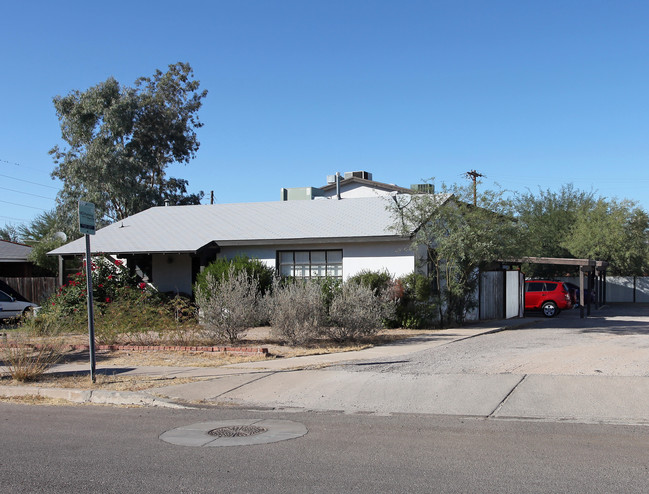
(26, 361)
(221, 268)
(229, 305)
(356, 311)
(296, 310)
(379, 281)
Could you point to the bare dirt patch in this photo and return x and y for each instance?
(104, 380)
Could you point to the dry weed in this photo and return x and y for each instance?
(26, 361)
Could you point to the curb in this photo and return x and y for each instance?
(98, 397)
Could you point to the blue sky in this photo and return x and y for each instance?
(529, 93)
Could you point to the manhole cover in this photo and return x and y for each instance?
(237, 431)
(241, 432)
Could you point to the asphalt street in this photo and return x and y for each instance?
(51, 449)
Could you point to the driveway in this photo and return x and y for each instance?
(562, 369)
(614, 341)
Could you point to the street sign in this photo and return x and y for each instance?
(87, 227)
(86, 218)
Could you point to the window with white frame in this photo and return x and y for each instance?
(311, 263)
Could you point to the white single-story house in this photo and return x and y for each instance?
(301, 238)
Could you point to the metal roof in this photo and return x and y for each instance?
(176, 229)
(13, 252)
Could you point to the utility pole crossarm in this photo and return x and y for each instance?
(473, 175)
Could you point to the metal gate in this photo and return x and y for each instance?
(501, 294)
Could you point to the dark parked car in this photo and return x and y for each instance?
(551, 297)
(574, 294)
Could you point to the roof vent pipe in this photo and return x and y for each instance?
(338, 185)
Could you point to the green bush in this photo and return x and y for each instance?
(417, 307)
(254, 268)
(379, 281)
(329, 288)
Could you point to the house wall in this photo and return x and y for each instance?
(352, 191)
(172, 273)
(395, 257)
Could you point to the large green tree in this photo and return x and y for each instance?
(571, 223)
(459, 238)
(613, 231)
(546, 220)
(121, 140)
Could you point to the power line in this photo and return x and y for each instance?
(22, 205)
(28, 193)
(29, 182)
(13, 219)
(15, 163)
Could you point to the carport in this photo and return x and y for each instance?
(592, 275)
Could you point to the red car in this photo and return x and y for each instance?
(551, 297)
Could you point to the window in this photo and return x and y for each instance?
(534, 286)
(311, 263)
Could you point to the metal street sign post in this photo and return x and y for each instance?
(87, 227)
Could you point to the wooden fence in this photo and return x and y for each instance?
(34, 289)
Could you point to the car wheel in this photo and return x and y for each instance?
(550, 309)
(27, 313)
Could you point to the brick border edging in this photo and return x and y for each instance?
(177, 348)
(172, 348)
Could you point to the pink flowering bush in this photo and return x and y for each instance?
(124, 309)
(108, 277)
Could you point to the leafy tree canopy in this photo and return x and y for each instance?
(10, 233)
(546, 221)
(121, 139)
(614, 231)
(575, 224)
(459, 239)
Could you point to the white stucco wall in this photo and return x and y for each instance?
(395, 257)
(353, 191)
(172, 273)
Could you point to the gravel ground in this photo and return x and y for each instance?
(613, 342)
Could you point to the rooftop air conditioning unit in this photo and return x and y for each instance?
(423, 188)
(359, 174)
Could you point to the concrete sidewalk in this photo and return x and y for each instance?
(236, 375)
(331, 382)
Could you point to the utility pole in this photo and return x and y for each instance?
(473, 175)
(212, 197)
